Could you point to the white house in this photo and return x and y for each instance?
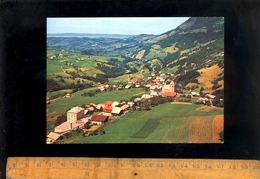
(74, 114)
(116, 110)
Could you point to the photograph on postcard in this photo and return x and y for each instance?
(135, 80)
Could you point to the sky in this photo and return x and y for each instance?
(124, 26)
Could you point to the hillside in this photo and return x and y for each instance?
(196, 44)
(190, 52)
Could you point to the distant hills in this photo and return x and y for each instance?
(89, 35)
(193, 52)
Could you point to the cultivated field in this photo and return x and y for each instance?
(165, 123)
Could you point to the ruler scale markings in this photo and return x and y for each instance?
(112, 168)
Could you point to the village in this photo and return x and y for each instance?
(89, 118)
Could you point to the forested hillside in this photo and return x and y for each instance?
(193, 52)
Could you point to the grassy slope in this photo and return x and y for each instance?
(174, 126)
(207, 76)
(59, 107)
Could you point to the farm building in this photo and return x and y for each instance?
(52, 137)
(153, 88)
(146, 96)
(115, 103)
(75, 114)
(99, 119)
(100, 106)
(195, 94)
(108, 107)
(209, 96)
(127, 86)
(137, 85)
(124, 107)
(137, 100)
(91, 109)
(68, 126)
(153, 93)
(68, 95)
(168, 90)
(116, 110)
(131, 104)
(85, 111)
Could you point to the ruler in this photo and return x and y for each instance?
(110, 168)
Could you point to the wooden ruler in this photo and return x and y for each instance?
(110, 168)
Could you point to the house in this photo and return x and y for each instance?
(99, 119)
(108, 106)
(68, 95)
(91, 109)
(131, 104)
(52, 137)
(85, 111)
(137, 85)
(195, 94)
(153, 93)
(100, 107)
(115, 103)
(101, 88)
(146, 96)
(202, 100)
(124, 107)
(135, 80)
(116, 110)
(127, 86)
(137, 99)
(209, 96)
(153, 88)
(120, 87)
(75, 114)
(93, 105)
(168, 90)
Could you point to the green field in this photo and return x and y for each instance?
(87, 64)
(148, 128)
(173, 128)
(59, 106)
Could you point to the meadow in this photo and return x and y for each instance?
(165, 123)
(60, 106)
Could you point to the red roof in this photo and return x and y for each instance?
(169, 94)
(109, 103)
(99, 118)
(135, 79)
(108, 108)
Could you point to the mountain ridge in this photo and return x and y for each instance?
(196, 44)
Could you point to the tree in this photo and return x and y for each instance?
(61, 119)
(221, 136)
(146, 105)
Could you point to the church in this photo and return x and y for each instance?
(168, 90)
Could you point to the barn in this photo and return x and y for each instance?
(99, 119)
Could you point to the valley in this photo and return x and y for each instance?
(188, 62)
